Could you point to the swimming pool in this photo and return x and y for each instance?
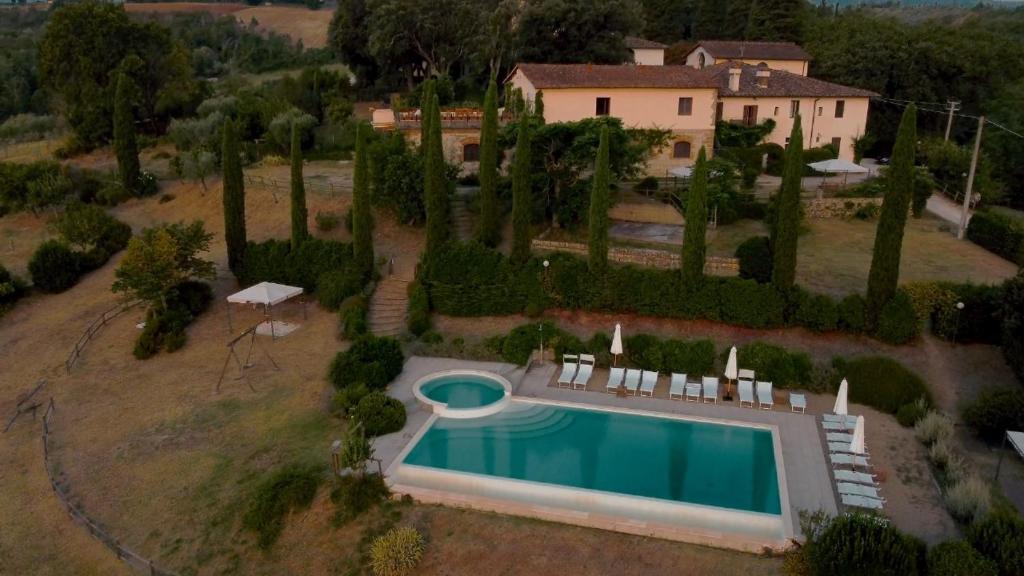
(463, 393)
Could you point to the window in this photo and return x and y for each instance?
(719, 108)
(681, 149)
(776, 111)
(749, 115)
(837, 143)
(471, 152)
(840, 108)
(794, 108)
(701, 60)
(604, 106)
(819, 110)
(685, 106)
(787, 141)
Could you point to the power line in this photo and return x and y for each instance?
(923, 108)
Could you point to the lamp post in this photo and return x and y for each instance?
(540, 326)
(956, 328)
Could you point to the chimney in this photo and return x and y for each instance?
(734, 77)
(763, 73)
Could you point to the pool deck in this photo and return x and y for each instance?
(806, 471)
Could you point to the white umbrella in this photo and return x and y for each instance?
(681, 171)
(840, 407)
(617, 342)
(837, 166)
(730, 366)
(857, 444)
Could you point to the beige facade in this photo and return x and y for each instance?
(701, 58)
(819, 119)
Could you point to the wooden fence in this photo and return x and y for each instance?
(93, 328)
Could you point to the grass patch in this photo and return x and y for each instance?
(290, 488)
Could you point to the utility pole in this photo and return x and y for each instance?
(952, 106)
(970, 180)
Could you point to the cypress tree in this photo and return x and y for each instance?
(300, 216)
(885, 261)
(435, 187)
(598, 223)
(125, 147)
(521, 197)
(362, 220)
(234, 197)
(787, 212)
(426, 101)
(488, 232)
(538, 106)
(694, 247)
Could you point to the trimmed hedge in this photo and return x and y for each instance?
(695, 358)
(861, 544)
(898, 322)
(817, 312)
(379, 413)
(784, 369)
(995, 410)
(755, 256)
(1013, 324)
(880, 382)
(275, 261)
(353, 314)
(998, 233)
(980, 320)
(371, 361)
(335, 286)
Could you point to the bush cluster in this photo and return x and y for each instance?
(165, 327)
(335, 286)
(995, 410)
(56, 265)
(275, 261)
(11, 288)
(775, 364)
(397, 552)
(419, 309)
(861, 544)
(897, 321)
(1000, 538)
(980, 320)
(352, 315)
(292, 487)
(371, 361)
(755, 256)
(695, 358)
(957, 558)
(354, 494)
(380, 414)
(998, 233)
(881, 383)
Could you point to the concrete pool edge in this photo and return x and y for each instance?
(777, 536)
(442, 409)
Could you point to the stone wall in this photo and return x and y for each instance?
(837, 207)
(647, 257)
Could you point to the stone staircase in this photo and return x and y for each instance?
(462, 220)
(389, 306)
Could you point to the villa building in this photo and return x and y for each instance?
(646, 52)
(776, 55)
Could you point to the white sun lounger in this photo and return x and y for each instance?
(569, 364)
(632, 380)
(584, 373)
(650, 380)
(615, 379)
(851, 421)
(855, 477)
(693, 391)
(745, 374)
(746, 390)
(765, 400)
(839, 437)
(848, 460)
(839, 447)
(837, 426)
(858, 490)
(677, 387)
(797, 402)
(862, 502)
(710, 384)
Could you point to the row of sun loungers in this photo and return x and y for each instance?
(856, 489)
(576, 371)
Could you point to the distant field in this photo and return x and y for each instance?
(299, 22)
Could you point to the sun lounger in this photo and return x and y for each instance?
(850, 421)
(677, 387)
(746, 390)
(632, 380)
(862, 502)
(745, 374)
(710, 385)
(836, 426)
(858, 490)
(848, 460)
(615, 379)
(650, 380)
(584, 373)
(839, 447)
(855, 477)
(692, 391)
(797, 402)
(570, 362)
(839, 437)
(765, 400)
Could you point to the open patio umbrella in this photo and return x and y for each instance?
(617, 342)
(731, 371)
(840, 407)
(857, 443)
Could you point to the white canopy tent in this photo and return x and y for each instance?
(267, 294)
(681, 171)
(837, 166)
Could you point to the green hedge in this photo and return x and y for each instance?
(861, 544)
(379, 413)
(469, 279)
(1013, 324)
(165, 328)
(898, 322)
(957, 558)
(275, 261)
(695, 358)
(995, 410)
(880, 382)
(419, 309)
(353, 314)
(784, 369)
(1000, 538)
(55, 267)
(998, 233)
(335, 286)
(371, 361)
(755, 256)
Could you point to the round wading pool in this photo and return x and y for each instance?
(463, 393)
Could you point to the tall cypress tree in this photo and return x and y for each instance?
(300, 216)
(787, 212)
(125, 147)
(234, 197)
(435, 187)
(694, 247)
(598, 223)
(885, 261)
(538, 106)
(426, 101)
(488, 232)
(521, 196)
(362, 220)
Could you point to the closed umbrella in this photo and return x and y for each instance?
(857, 443)
(617, 343)
(731, 371)
(840, 407)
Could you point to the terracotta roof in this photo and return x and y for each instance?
(754, 50)
(614, 76)
(642, 43)
(780, 83)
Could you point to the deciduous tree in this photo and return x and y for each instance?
(568, 31)
(161, 258)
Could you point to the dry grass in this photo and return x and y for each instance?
(299, 22)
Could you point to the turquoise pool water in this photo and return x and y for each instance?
(463, 390)
(679, 460)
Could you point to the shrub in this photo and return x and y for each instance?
(969, 499)
(957, 558)
(165, 328)
(911, 413)
(881, 382)
(370, 360)
(292, 487)
(380, 414)
(1000, 538)
(346, 399)
(772, 363)
(518, 345)
(1013, 324)
(354, 494)
(755, 256)
(275, 261)
(54, 267)
(994, 411)
(419, 309)
(396, 552)
(817, 312)
(333, 287)
(748, 303)
(933, 427)
(326, 221)
(353, 314)
(11, 287)
(998, 233)
(943, 457)
(647, 184)
(860, 544)
(695, 357)
(898, 322)
(851, 313)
